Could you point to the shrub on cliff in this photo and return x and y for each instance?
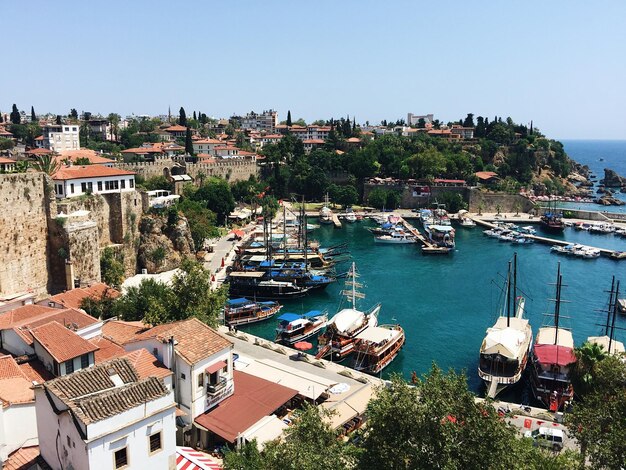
(111, 267)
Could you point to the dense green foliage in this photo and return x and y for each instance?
(111, 267)
(214, 194)
(202, 221)
(598, 421)
(188, 295)
(435, 424)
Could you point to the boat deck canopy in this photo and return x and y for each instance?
(250, 274)
(551, 354)
(377, 334)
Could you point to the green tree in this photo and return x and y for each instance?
(453, 201)
(377, 198)
(73, 114)
(33, 116)
(289, 118)
(101, 307)
(588, 356)
(217, 196)
(111, 267)
(114, 119)
(82, 161)
(58, 120)
(598, 421)
(6, 144)
(182, 117)
(421, 123)
(138, 301)
(436, 425)
(469, 120)
(188, 142)
(15, 117)
(193, 297)
(47, 164)
(201, 221)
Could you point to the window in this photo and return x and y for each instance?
(132, 183)
(121, 458)
(69, 366)
(73, 129)
(90, 187)
(67, 129)
(123, 184)
(200, 380)
(84, 361)
(107, 185)
(69, 441)
(72, 188)
(182, 376)
(213, 378)
(99, 185)
(83, 187)
(155, 442)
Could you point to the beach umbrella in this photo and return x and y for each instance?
(223, 262)
(303, 346)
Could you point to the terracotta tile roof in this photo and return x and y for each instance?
(194, 340)
(14, 384)
(73, 298)
(88, 171)
(107, 349)
(6, 160)
(353, 140)
(94, 157)
(176, 128)
(92, 395)
(38, 151)
(21, 315)
(142, 150)
(61, 343)
(312, 141)
(121, 332)
(22, 459)
(147, 365)
(485, 175)
(35, 371)
(208, 141)
(70, 318)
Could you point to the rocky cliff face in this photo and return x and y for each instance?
(612, 179)
(163, 243)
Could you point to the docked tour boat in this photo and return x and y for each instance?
(552, 359)
(340, 336)
(396, 238)
(376, 347)
(608, 341)
(243, 311)
(326, 215)
(504, 351)
(254, 284)
(552, 220)
(293, 327)
(466, 222)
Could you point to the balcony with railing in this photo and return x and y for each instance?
(219, 391)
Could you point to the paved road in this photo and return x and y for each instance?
(224, 249)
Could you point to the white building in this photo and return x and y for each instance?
(199, 357)
(18, 424)
(266, 121)
(413, 119)
(59, 137)
(106, 417)
(71, 181)
(206, 146)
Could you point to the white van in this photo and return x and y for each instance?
(547, 437)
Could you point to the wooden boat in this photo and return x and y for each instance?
(552, 220)
(254, 284)
(608, 342)
(340, 336)
(376, 347)
(505, 350)
(242, 311)
(552, 359)
(396, 238)
(293, 327)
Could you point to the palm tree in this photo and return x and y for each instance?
(481, 206)
(588, 355)
(498, 208)
(46, 163)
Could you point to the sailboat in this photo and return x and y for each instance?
(339, 338)
(552, 359)
(326, 215)
(552, 219)
(608, 341)
(505, 349)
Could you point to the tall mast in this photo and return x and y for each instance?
(557, 306)
(353, 286)
(610, 309)
(508, 296)
(514, 284)
(284, 232)
(615, 307)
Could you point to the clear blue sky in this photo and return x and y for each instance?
(559, 63)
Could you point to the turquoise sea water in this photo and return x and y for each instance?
(446, 303)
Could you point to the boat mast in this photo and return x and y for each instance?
(610, 309)
(284, 232)
(515, 283)
(508, 296)
(557, 306)
(615, 307)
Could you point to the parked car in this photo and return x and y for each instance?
(547, 437)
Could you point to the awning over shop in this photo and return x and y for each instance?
(191, 459)
(215, 367)
(253, 399)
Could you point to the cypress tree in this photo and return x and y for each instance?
(531, 128)
(353, 124)
(289, 118)
(194, 116)
(33, 118)
(15, 115)
(188, 142)
(182, 117)
(58, 121)
(1, 118)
